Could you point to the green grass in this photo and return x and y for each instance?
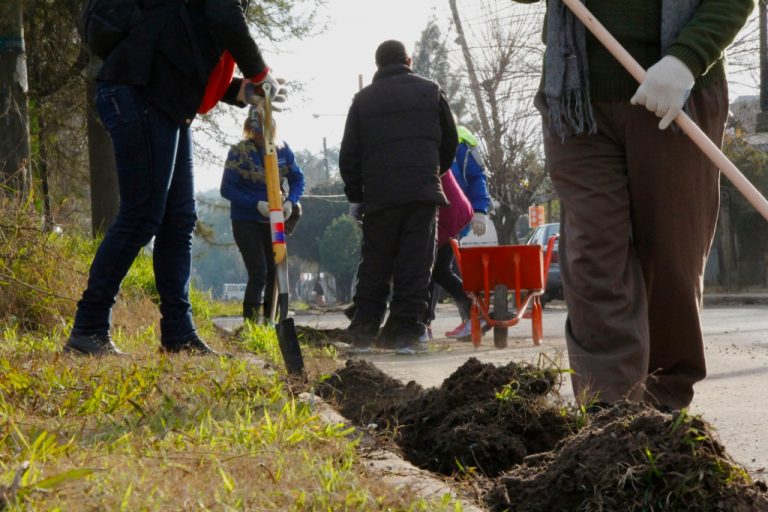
(152, 431)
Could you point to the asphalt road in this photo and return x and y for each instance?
(732, 398)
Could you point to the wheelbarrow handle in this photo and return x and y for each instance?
(698, 137)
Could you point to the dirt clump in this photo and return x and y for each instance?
(483, 416)
(631, 457)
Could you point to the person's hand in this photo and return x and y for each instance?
(665, 89)
(478, 223)
(277, 89)
(356, 211)
(263, 208)
(287, 209)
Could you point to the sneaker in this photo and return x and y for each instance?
(411, 348)
(466, 333)
(193, 346)
(427, 336)
(455, 332)
(92, 345)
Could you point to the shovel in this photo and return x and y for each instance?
(685, 123)
(286, 330)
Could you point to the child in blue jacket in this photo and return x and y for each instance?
(244, 185)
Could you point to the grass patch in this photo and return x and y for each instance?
(157, 432)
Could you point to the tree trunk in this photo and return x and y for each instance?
(762, 116)
(504, 222)
(15, 173)
(105, 198)
(42, 170)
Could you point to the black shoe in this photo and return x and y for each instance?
(92, 345)
(193, 346)
(363, 336)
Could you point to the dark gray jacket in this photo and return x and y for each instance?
(399, 138)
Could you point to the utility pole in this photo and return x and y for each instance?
(325, 161)
(762, 117)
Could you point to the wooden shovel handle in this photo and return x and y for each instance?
(685, 123)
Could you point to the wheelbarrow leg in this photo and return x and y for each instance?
(536, 321)
(474, 318)
(500, 313)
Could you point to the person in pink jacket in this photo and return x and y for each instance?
(451, 220)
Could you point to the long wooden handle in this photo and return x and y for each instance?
(685, 123)
(272, 176)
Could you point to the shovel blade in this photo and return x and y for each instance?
(289, 346)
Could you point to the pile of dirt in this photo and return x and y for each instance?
(366, 395)
(631, 457)
(531, 455)
(483, 416)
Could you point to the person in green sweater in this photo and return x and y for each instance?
(639, 201)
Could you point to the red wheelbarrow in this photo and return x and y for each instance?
(490, 272)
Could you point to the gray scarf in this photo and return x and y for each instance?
(566, 84)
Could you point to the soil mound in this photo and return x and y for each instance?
(532, 455)
(483, 416)
(631, 457)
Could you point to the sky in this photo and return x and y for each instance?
(329, 65)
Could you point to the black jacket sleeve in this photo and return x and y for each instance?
(350, 157)
(450, 138)
(227, 24)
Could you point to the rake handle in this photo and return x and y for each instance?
(685, 123)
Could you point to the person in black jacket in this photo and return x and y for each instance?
(399, 138)
(177, 62)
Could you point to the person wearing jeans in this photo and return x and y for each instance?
(175, 64)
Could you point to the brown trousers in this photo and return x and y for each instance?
(639, 209)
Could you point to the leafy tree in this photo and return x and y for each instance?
(431, 60)
(215, 257)
(503, 70)
(321, 206)
(743, 241)
(340, 253)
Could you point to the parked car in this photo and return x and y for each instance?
(541, 236)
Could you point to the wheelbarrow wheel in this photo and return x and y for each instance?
(500, 312)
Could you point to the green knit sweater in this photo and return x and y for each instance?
(636, 24)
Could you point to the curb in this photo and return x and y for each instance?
(389, 466)
(734, 299)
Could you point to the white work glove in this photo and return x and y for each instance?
(356, 211)
(665, 89)
(277, 91)
(287, 209)
(263, 208)
(478, 223)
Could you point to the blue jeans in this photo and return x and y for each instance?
(154, 171)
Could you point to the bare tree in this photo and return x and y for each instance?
(502, 55)
(15, 174)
